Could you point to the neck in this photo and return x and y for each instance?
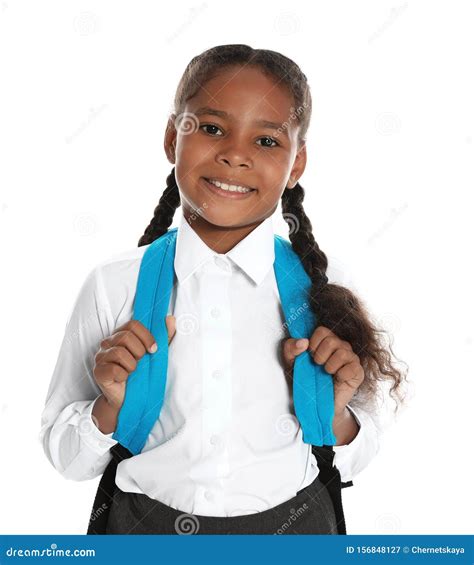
(220, 239)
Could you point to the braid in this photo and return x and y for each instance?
(303, 243)
(164, 212)
(337, 307)
(301, 236)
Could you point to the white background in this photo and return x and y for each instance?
(86, 91)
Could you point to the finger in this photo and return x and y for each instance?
(128, 340)
(338, 359)
(171, 327)
(292, 348)
(320, 333)
(327, 343)
(120, 356)
(351, 374)
(138, 329)
(109, 373)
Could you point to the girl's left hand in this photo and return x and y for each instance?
(338, 359)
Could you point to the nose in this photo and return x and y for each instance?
(234, 155)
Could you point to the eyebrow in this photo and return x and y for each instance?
(222, 114)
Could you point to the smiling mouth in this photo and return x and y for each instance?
(226, 194)
(230, 186)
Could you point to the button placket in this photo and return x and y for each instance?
(216, 329)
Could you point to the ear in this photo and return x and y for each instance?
(170, 140)
(299, 166)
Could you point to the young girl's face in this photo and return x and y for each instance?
(237, 130)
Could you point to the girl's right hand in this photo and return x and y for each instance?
(119, 354)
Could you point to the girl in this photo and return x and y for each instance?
(226, 454)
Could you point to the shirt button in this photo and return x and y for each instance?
(217, 374)
(208, 495)
(214, 439)
(215, 312)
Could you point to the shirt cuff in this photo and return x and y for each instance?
(91, 434)
(357, 437)
(352, 458)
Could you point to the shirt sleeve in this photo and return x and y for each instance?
(73, 444)
(352, 458)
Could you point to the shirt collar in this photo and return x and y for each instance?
(255, 254)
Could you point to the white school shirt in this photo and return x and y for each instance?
(227, 441)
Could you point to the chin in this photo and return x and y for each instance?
(220, 220)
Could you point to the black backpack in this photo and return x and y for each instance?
(328, 474)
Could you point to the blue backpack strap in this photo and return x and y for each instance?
(146, 385)
(313, 387)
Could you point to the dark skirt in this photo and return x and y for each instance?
(311, 511)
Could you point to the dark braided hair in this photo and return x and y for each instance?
(163, 213)
(335, 306)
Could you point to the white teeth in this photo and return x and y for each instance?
(229, 187)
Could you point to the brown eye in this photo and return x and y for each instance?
(271, 140)
(210, 126)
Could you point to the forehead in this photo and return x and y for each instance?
(245, 93)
